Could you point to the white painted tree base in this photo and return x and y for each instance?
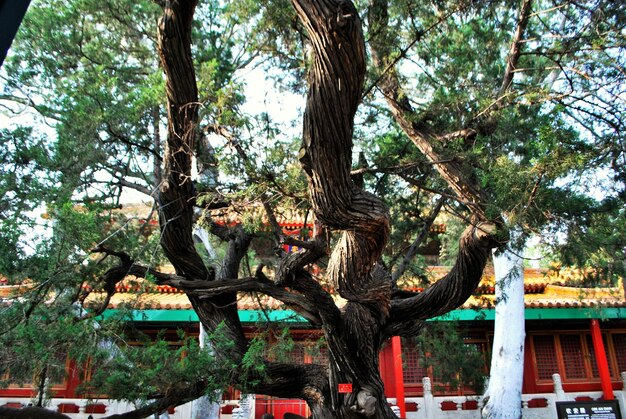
(504, 392)
(203, 408)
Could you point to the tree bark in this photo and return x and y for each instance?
(335, 84)
(30, 412)
(354, 340)
(336, 80)
(504, 393)
(356, 332)
(177, 195)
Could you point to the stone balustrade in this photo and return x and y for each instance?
(534, 406)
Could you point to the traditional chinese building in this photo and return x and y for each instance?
(577, 333)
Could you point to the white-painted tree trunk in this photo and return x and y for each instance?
(203, 408)
(246, 407)
(504, 392)
(200, 235)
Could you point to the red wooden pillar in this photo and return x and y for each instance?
(601, 361)
(396, 348)
(529, 385)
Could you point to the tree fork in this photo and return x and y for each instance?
(335, 85)
(177, 195)
(176, 204)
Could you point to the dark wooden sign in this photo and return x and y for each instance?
(605, 409)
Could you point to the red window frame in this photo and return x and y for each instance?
(585, 356)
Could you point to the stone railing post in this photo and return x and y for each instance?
(558, 388)
(247, 405)
(430, 407)
(238, 413)
(621, 395)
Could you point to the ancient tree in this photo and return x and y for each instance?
(489, 111)
(374, 310)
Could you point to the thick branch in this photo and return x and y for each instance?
(457, 286)
(409, 328)
(177, 194)
(116, 274)
(175, 397)
(208, 289)
(30, 412)
(335, 85)
(136, 186)
(291, 272)
(123, 256)
(516, 47)
(304, 381)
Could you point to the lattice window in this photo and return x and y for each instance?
(573, 357)
(479, 347)
(319, 355)
(619, 344)
(27, 376)
(592, 356)
(545, 356)
(296, 355)
(412, 372)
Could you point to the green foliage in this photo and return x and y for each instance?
(273, 29)
(252, 367)
(38, 347)
(89, 70)
(450, 241)
(138, 372)
(454, 363)
(24, 160)
(597, 244)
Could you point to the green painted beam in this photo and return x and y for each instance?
(560, 313)
(291, 317)
(190, 316)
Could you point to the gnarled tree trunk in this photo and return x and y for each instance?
(355, 332)
(177, 195)
(370, 315)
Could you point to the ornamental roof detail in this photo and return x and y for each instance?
(541, 290)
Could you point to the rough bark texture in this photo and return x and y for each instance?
(335, 82)
(177, 195)
(30, 412)
(355, 332)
